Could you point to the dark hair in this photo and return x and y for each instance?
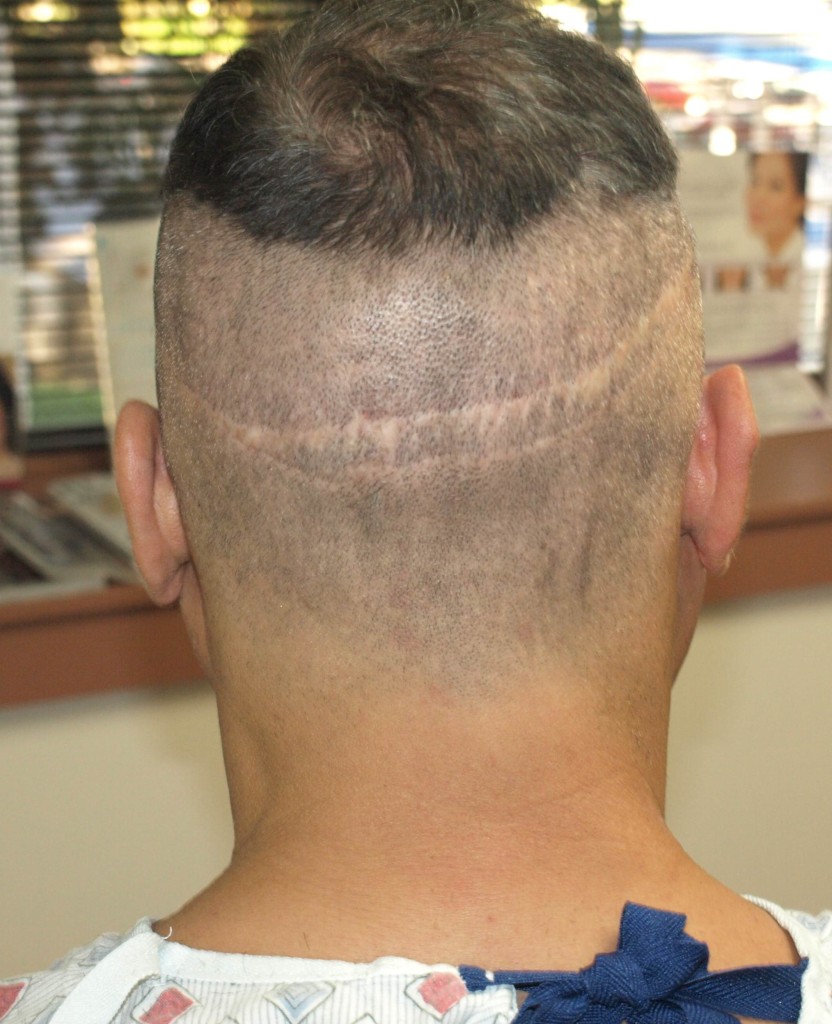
(800, 166)
(7, 409)
(378, 123)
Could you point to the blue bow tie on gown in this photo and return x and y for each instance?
(658, 975)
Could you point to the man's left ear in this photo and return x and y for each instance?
(150, 503)
(719, 471)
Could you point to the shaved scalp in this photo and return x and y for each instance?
(429, 340)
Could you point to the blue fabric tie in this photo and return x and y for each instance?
(658, 975)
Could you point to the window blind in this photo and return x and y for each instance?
(90, 94)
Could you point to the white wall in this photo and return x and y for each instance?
(114, 807)
(750, 774)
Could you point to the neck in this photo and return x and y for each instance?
(501, 756)
(507, 833)
(417, 763)
(398, 814)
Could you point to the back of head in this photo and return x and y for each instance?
(429, 345)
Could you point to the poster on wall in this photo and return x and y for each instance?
(748, 212)
(760, 286)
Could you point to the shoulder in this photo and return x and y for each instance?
(812, 936)
(37, 997)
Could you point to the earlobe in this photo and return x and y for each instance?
(718, 476)
(150, 503)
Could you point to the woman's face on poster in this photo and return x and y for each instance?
(774, 200)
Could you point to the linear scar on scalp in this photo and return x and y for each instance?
(473, 435)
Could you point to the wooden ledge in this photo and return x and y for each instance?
(113, 639)
(115, 600)
(792, 480)
(92, 642)
(787, 542)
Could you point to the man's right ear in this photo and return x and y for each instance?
(150, 503)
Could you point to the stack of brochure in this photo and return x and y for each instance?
(73, 541)
(93, 499)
